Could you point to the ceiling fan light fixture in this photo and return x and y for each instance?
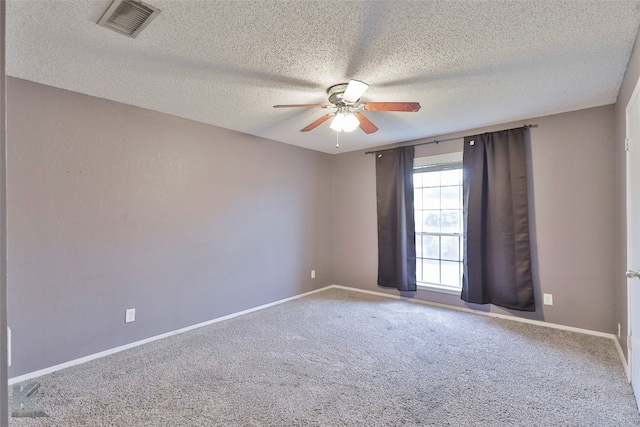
(351, 122)
(344, 122)
(355, 89)
(337, 123)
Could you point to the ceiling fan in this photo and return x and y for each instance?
(347, 116)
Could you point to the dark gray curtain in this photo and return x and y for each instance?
(396, 228)
(497, 260)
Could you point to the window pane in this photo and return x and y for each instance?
(430, 271)
(450, 248)
(450, 177)
(450, 221)
(417, 198)
(430, 246)
(438, 210)
(450, 197)
(417, 218)
(431, 179)
(450, 273)
(431, 221)
(431, 198)
(417, 180)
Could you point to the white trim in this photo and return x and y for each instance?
(624, 361)
(438, 289)
(628, 148)
(94, 356)
(438, 159)
(498, 315)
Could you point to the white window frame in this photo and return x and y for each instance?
(438, 162)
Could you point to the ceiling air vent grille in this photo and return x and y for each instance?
(128, 17)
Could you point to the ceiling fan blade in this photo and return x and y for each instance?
(365, 124)
(355, 89)
(317, 123)
(392, 106)
(303, 106)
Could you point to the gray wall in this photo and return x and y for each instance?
(572, 182)
(4, 413)
(620, 282)
(113, 207)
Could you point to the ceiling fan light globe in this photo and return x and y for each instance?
(351, 123)
(338, 122)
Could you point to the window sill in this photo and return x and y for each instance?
(439, 289)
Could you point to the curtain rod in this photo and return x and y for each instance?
(437, 141)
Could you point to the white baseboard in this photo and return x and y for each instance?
(108, 352)
(84, 359)
(624, 361)
(501, 316)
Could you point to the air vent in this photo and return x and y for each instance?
(128, 17)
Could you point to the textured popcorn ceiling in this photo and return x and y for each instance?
(469, 63)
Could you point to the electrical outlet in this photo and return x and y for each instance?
(313, 274)
(618, 330)
(130, 315)
(548, 299)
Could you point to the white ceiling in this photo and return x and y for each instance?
(468, 63)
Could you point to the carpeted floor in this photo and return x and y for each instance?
(339, 358)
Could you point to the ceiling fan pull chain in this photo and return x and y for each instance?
(337, 140)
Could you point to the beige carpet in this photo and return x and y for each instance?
(341, 358)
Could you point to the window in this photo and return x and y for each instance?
(437, 186)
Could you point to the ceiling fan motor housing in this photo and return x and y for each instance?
(336, 93)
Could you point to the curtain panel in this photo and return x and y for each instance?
(396, 227)
(497, 260)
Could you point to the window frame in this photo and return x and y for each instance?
(440, 162)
